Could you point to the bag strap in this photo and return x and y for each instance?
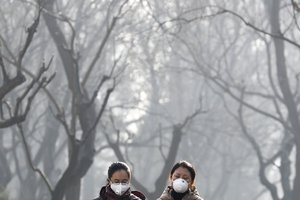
(139, 194)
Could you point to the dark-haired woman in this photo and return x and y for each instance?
(118, 184)
(182, 183)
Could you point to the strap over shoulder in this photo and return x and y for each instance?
(139, 194)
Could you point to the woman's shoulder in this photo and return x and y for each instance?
(99, 198)
(165, 195)
(194, 195)
(101, 193)
(197, 197)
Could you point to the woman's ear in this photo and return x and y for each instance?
(193, 186)
(170, 180)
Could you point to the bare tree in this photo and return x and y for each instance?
(84, 109)
(15, 112)
(13, 115)
(281, 93)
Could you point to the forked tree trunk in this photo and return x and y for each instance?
(82, 152)
(285, 88)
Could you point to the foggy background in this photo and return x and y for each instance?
(84, 83)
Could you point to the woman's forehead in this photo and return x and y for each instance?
(182, 171)
(120, 174)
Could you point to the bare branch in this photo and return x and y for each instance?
(104, 103)
(30, 33)
(4, 73)
(41, 83)
(261, 30)
(262, 165)
(29, 160)
(11, 84)
(99, 52)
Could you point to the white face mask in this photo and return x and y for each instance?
(119, 188)
(180, 185)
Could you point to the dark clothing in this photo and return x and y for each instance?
(106, 193)
(178, 196)
(170, 194)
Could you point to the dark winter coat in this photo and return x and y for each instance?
(106, 193)
(190, 195)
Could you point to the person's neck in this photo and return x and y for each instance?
(178, 196)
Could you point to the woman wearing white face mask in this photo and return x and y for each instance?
(118, 184)
(182, 183)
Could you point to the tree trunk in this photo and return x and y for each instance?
(284, 84)
(82, 153)
(169, 162)
(5, 173)
(73, 191)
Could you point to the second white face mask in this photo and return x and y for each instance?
(119, 188)
(180, 185)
